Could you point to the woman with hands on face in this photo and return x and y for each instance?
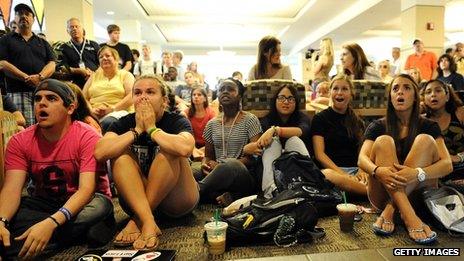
(285, 127)
(403, 152)
(225, 166)
(149, 152)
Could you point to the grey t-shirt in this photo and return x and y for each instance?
(184, 92)
(240, 135)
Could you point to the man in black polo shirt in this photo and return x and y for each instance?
(125, 54)
(79, 54)
(29, 60)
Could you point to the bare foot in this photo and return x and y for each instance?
(128, 235)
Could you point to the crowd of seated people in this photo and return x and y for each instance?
(168, 150)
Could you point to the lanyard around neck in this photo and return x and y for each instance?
(224, 146)
(82, 49)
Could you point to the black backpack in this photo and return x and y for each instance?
(293, 167)
(286, 219)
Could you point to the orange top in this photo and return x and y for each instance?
(426, 63)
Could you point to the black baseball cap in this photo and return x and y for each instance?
(417, 40)
(23, 7)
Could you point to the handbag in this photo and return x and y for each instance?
(446, 204)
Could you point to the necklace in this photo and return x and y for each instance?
(224, 146)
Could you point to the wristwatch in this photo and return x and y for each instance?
(5, 221)
(420, 174)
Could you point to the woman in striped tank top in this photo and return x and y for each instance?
(225, 166)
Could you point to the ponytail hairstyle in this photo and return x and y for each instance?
(353, 123)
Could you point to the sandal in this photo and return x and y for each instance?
(122, 243)
(145, 240)
(380, 231)
(425, 241)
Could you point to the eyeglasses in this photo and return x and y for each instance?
(289, 99)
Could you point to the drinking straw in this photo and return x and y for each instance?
(216, 216)
(344, 197)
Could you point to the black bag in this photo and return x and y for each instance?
(286, 219)
(292, 167)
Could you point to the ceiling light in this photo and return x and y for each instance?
(110, 13)
(221, 53)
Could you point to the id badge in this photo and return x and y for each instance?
(81, 65)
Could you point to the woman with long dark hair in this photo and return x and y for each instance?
(337, 134)
(82, 111)
(268, 65)
(355, 63)
(447, 72)
(285, 126)
(199, 113)
(225, 166)
(404, 153)
(444, 106)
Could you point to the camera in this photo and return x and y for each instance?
(309, 53)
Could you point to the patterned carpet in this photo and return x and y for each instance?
(185, 235)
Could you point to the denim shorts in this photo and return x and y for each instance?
(350, 170)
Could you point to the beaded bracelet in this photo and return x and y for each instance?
(66, 213)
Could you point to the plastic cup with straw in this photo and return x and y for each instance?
(216, 218)
(344, 197)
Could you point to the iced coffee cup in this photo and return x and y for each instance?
(346, 214)
(216, 235)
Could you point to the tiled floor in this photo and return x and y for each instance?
(367, 255)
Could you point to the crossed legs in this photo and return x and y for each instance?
(423, 153)
(170, 187)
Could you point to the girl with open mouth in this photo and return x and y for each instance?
(337, 136)
(404, 153)
(443, 106)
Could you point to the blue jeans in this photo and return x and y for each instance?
(350, 170)
(94, 224)
(273, 152)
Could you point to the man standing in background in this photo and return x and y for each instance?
(396, 65)
(28, 60)
(424, 60)
(145, 65)
(79, 54)
(162, 66)
(124, 51)
(177, 57)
